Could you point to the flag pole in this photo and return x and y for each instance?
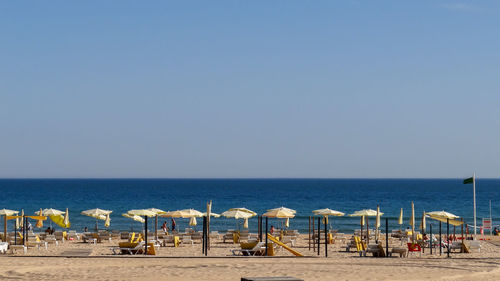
(474, 191)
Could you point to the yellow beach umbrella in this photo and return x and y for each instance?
(20, 221)
(157, 211)
(49, 212)
(283, 209)
(327, 212)
(107, 221)
(39, 223)
(142, 213)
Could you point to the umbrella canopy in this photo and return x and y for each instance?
(134, 217)
(97, 213)
(400, 221)
(377, 222)
(192, 221)
(237, 214)
(6, 212)
(142, 213)
(244, 210)
(50, 212)
(412, 221)
(212, 215)
(442, 214)
(365, 213)
(187, 213)
(283, 209)
(279, 213)
(328, 212)
(157, 211)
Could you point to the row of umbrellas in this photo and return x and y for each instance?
(236, 213)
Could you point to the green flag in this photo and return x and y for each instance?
(469, 180)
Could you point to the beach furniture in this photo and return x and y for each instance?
(475, 245)
(51, 239)
(402, 251)
(187, 239)
(257, 249)
(129, 248)
(72, 235)
(289, 240)
(414, 247)
(228, 236)
(376, 249)
(456, 245)
(15, 248)
(214, 234)
(4, 246)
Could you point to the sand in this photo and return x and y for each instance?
(187, 263)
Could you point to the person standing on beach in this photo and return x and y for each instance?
(173, 225)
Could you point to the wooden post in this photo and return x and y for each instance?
(258, 228)
(448, 235)
(146, 235)
(367, 232)
(15, 232)
(326, 241)
(430, 237)
(156, 227)
(313, 229)
(386, 237)
(309, 233)
(440, 239)
(462, 219)
(267, 220)
(203, 235)
(319, 233)
(5, 228)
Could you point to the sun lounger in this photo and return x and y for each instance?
(376, 249)
(402, 251)
(51, 239)
(257, 250)
(187, 239)
(4, 246)
(288, 240)
(15, 248)
(475, 245)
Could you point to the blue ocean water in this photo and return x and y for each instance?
(303, 195)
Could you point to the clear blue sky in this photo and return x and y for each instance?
(249, 88)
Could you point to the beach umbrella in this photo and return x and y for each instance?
(239, 213)
(5, 213)
(66, 219)
(422, 223)
(134, 217)
(444, 216)
(327, 212)
(281, 213)
(39, 223)
(377, 222)
(20, 223)
(98, 214)
(145, 214)
(365, 213)
(158, 212)
(49, 212)
(283, 209)
(243, 210)
(412, 221)
(192, 221)
(400, 221)
(187, 213)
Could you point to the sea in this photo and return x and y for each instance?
(259, 195)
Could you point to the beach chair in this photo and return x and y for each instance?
(456, 245)
(376, 249)
(288, 240)
(413, 247)
(72, 235)
(4, 246)
(257, 250)
(227, 236)
(360, 246)
(15, 248)
(214, 234)
(51, 239)
(475, 245)
(129, 248)
(402, 251)
(187, 239)
(124, 235)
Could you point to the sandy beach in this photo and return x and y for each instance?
(74, 260)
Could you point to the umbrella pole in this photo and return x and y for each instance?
(309, 233)
(156, 227)
(266, 235)
(5, 228)
(15, 234)
(313, 229)
(146, 235)
(326, 241)
(448, 235)
(319, 233)
(386, 237)
(440, 239)
(462, 234)
(430, 237)
(367, 231)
